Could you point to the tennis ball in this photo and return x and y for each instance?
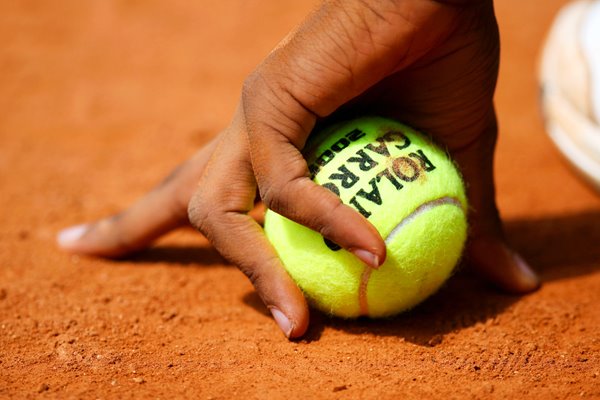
(408, 189)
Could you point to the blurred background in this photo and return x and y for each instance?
(94, 86)
(99, 99)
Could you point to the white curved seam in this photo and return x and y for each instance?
(447, 200)
(366, 275)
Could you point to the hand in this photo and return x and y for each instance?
(431, 64)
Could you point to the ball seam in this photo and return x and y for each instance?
(424, 207)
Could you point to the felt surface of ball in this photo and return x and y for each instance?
(408, 189)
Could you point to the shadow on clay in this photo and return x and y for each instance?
(317, 319)
(186, 256)
(463, 302)
(558, 247)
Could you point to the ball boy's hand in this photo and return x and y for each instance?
(431, 64)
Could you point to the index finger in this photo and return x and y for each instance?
(339, 52)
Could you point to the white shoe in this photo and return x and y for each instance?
(570, 86)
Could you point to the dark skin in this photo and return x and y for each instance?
(431, 64)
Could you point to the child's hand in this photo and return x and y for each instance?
(431, 64)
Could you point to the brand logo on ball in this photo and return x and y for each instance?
(375, 158)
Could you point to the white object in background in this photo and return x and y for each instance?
(570, 82)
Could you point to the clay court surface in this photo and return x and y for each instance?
(100, 99)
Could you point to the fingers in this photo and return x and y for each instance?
(219, 209)
(290, 192)
(161, 210)
(279, 111)
(488, 251)
(493, 258)
(339, 52)
(241, 240)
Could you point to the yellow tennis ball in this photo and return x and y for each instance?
(408, 189)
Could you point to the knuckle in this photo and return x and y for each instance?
(269, 198)
(252, 275)
(197, 210)
(325, 222)
(248, 87)
(257, 85)
(258, 274)
(320, 215)
(269, 100)
(274, 195)
(280, 195)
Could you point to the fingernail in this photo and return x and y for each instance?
(70, 235)
(284, 323)
(529, 276)
(367, 257)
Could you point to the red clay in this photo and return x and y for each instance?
(99, 99)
